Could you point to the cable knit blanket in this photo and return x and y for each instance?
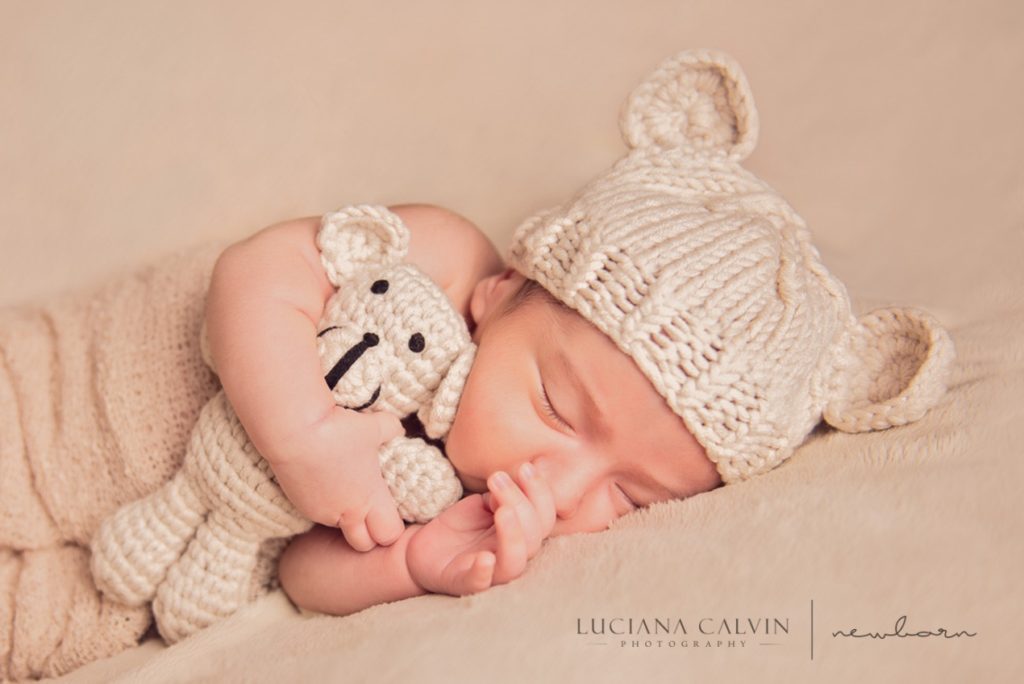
(98, 394)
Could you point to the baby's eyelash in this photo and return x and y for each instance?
(548, 408)
(632, 503)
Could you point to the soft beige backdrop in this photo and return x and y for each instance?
(129, 128)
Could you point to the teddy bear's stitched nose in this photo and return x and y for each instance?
(350, 357)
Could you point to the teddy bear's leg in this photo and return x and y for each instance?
(133, 548)
(212, 579)
(226, 564)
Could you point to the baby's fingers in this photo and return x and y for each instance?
(384, 522)
(470, 573)
(537, 490)
(388, 426)
(353, 525)
(512, 550)
(532, 502)
(375, 522)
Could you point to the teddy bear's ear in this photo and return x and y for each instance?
(698, 100)
(438, 415)
(360, 237)
(892, 367)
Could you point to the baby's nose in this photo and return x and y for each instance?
(564, 512)
(564, 488)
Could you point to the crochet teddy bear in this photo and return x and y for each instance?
(207, 542)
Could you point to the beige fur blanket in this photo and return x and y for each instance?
(99, 390)
(920, 522)
(98, 393)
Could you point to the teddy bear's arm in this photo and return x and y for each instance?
(133, 547)
(421, 480)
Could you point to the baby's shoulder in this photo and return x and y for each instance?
(450, 249)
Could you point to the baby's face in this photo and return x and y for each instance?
(549, 388)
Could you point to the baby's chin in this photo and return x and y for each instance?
(454, 453)
(471, 484)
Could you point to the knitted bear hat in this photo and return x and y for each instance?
(707, 278)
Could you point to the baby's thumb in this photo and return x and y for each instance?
(388, 426)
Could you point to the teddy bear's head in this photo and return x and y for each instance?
(389, 338)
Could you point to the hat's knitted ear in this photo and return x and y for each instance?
(892, 367)
(360, 237)
(698, 100)
(438, 415)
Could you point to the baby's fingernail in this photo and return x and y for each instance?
(502, 481)
(527, 471)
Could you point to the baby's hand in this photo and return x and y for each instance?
(334, 478)
(483, 540)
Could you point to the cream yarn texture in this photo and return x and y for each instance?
(707, 278)
(207, 542)
(86, 383)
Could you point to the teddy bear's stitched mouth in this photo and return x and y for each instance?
(373, 398)
(350, 357)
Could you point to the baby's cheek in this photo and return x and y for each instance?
(596, 512)
(459, 443)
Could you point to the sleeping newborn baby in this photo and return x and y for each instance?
(556, 425)
(561, 433)
(668, 330)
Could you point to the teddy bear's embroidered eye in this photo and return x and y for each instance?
(379, 287)
(417, 343)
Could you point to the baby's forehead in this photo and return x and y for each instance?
(532, 299)
(567, 321)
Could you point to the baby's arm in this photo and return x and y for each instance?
(478, 542)
(266, 296)
(320, 571)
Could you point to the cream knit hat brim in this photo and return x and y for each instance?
(707, 278)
